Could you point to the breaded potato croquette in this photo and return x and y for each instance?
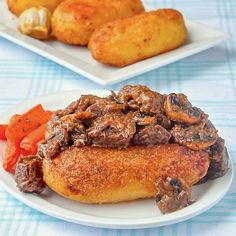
(74, 21)
(18, 6)
(127, 41)
(103, 175)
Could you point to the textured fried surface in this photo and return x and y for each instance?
(74, 21)
(18, 6)
(100, 175)
(126, 41)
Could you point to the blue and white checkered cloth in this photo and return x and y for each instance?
(209, 79)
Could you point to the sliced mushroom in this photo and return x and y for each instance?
(172, 195)
(178, 108)
(196, 137)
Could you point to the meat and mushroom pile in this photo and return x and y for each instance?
(135, 116)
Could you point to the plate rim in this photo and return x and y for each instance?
(85, 219)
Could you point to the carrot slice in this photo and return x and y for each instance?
(2, 132)
(22, 125)
(19, 127)
(29, 142)
(12, 154)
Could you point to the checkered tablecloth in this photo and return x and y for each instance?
(209, 79)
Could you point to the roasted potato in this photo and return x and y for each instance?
(127, 41)
(74, 21)
(18, 6)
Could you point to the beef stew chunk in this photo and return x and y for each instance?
(219, 158)
(142, 98)
(112, 130)
(151, 134)
(29, 176)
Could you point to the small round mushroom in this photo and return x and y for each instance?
(172, 195)
(178, 108)
(196, 137)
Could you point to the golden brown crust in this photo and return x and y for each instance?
(18, 6)
(101, 175)
(74, 21)
(126, 41)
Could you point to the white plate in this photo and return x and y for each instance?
(135, 214)
(79, 59)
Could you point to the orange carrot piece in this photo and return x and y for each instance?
(19, 127)
(29, 142)
(2, 132)
(12, 154)
(22, 125)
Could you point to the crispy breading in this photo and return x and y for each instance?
(18, 6)
(127, 41)
(102, 175)
(74, 21)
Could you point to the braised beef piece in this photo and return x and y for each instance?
(58, 136)
(163, 121)
(172, 195)
(81, 104)
(218, 168)
(78, 135)
(114, 129)
(142, 98)
(219, 164)
(148, 130)
(143, 120)
(65, 131)
(49, 148)
(151, 134)
(28, 175)
(106, 105)
(217, 151)
(86, 101)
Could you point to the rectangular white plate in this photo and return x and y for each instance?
(79, 59)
